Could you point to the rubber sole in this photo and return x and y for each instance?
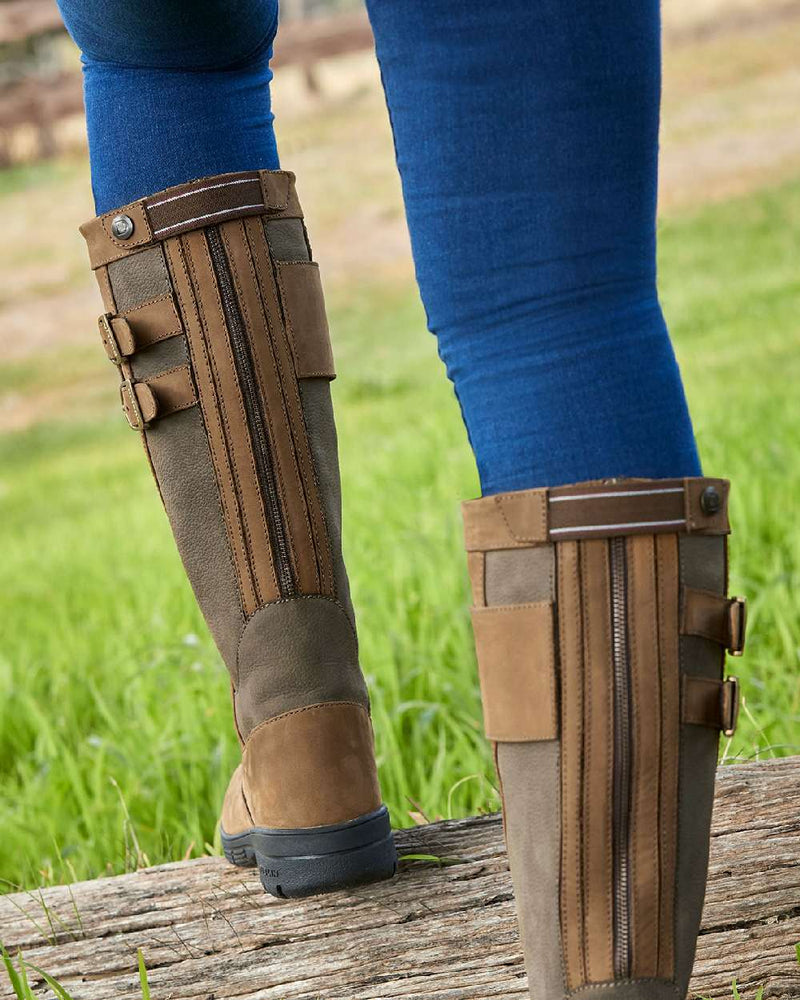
(318, 859)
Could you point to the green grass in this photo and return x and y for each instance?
(115, 733)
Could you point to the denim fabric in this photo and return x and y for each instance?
(173, 90)
(526, 136)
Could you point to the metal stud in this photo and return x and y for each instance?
(122, 227)
(710, 500)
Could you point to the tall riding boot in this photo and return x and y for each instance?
(216, 322)
(600, 623)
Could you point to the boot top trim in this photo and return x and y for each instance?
(185, 207)
(597, 510)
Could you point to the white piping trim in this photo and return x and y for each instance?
(614, 527)
(621, 493)
(208, 187)
(209, 215)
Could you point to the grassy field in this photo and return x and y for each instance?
(115, 732)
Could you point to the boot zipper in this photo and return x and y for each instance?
(622, 758)
(243, 360)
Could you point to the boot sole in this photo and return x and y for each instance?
(318, 859)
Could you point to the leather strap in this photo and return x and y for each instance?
(142, 327)
(144, 402)
(597, 510)
(516, 665)
(721, 619)
(180, 209)
(709, 702)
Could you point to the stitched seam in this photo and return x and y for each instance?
(299, 711)
(271, 434)
(586, 797)
(298, 597)
(581, 768)
(249, 458)
(316, 509)
(654, 836)
(213, 408)
(506, 608)
(609, 741)
(626, 982)
(521, 538)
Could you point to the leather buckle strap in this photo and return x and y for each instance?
(139, 328)
(737, 625)
(108, 336)
(711, 703)
(131, 406)
(169, 392)
(186, 207)
(721, 619)
(601, 509)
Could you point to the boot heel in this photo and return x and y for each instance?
(319, 859)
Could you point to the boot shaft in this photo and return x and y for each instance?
(600, 625)
(216, 321)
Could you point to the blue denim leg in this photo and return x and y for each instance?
(173, 90)
(526, 136)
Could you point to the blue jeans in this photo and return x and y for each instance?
(526, 136)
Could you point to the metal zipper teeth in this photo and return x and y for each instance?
(243, 360)
(622, 759)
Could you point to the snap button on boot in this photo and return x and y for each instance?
(710, 500)
(122, 227)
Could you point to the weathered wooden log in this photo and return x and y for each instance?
(433, 933)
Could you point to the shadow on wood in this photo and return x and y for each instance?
(439, 933)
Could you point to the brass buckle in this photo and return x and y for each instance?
(109, 340)
(130, 405)
(729, 705)
(737, 619)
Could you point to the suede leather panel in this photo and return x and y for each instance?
(315, 394)
(159, 358)
(702, 566)
(667, 575)
(518, 576)
(597, 753)
(182, 464)
(236, 816)
(305, 319)
(645, 657)
(516, 663)
(293, 654)
(287, 239)
(311, 767)
(637, 989)
(529, 773)
(139, 278)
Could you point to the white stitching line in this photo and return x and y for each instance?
(613, 527)
(209, 215)
(621, 493)
(208, 187)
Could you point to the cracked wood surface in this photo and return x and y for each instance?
(208, 932)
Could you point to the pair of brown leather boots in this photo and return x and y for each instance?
(600, 617)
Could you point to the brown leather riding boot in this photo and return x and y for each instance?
(600, 623)
(216, 322)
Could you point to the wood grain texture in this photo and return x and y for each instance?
(208, 931)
